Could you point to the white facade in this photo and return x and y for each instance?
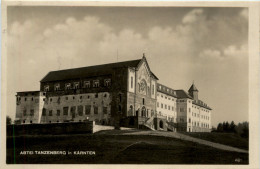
(166, 106)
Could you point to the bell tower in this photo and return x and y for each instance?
(193, 91)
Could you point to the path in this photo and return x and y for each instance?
(188, 138)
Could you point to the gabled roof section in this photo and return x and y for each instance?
(193, 88)
(181, 94)
(144, 60)
(82, 72)
(201, 104)
(166, 90)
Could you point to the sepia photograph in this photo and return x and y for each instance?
(127, 85)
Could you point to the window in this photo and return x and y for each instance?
(73, 111)
(96, 95)
(143, 101)
(50, 112)
(57, 87)
(67, 98)
(43, 112)
(172, 108)
(32, 112)
(153, 89)
(161, 105)
(65, 111)
(87, 84)
(165, 97)
(76, 85)
(67, 86)
(189, 109)
(24, 112)
(132, 82)
(80, 110)
(46, 88)
(157, 104)
(162, 96)
(58, 113)
(169, 107)
(107, 82)
(181, 109)
(165, 106)
(32, 98)
(95, 83)
(50, 99)
(25, 99)
(189, 120)
(95, 110)
(105, 95)
(87, 109)
(105, 110)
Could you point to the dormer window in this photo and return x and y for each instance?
(67, 86)
(87, 84)
(46, 88)
(57, 87)
(76, 85)
(95, 83)
(107, 82)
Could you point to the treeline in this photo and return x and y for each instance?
(241, 129)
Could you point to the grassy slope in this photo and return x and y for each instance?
(115, 149)
(230, 139)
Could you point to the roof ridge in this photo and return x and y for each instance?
(97, 65)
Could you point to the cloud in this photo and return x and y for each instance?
(193, 16)
(231, 52)
(208, 54)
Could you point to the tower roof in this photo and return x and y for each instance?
(193, 88)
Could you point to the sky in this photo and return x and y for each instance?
(182, 44)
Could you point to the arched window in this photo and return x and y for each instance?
(143, 112)
(161, 124)
(143, 101)
(119, 108)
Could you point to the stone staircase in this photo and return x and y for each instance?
(149, 123)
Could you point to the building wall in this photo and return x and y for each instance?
(142, 95)
(201, 119)
(77, 105)
(167, 106)
(25, 103)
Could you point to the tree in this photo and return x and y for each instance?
(220, 127)
(232, 127)
(8, 120)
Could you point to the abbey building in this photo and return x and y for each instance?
(121, 94)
